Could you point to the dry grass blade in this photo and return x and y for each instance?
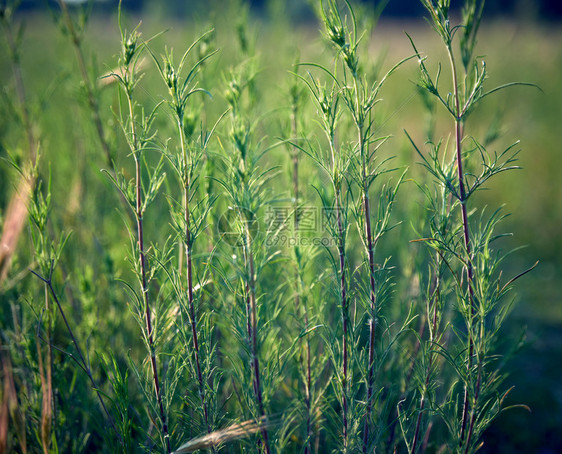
(230, 433)
(8, 395)
(47, 398)
(13, 226)
(9, 407)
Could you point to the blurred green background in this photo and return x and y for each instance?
(521, 41)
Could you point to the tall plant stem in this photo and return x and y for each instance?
(476, 396)
(308, 390)
(433, 335)
(252, 315)
(372, 319)
(343, 283)
(343, 293)
(359, 115)
(140, 238)
(296, 193)
(92, 100)
(466, 235)
(46, 375)
(16, 215)
(372, 286)
(189, 275)
(434, 293)
(81, 361)
(20, 91)
(298, 284)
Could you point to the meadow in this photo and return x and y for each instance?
(237, 232)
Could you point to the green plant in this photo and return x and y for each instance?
(335, 162)
(463, 245)
(138, 196)
(360, 96)
(48, 255)
(245, 185)
(353, 166)
(189, 220)
(278, 301)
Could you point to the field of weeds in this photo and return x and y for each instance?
(236, 233)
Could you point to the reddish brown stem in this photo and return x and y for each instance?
(193, 314)
(473, 412)
(469, 271)
(433, 333)
(149, 331)
(81, 361)
(372, 318)
(343, 292)
(144, 284)
(296, 194)
(189, 275)
(46, 376)
(251, 307)
(466, 236)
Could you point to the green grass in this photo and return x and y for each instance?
(267, 315)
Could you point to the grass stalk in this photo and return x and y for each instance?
(180, 92)
(435, 297)
(252, 315)
(369, 244)
(46, 376)
(341, 246)
(301, 305)
(17, 209)
(245, 184)
(466, 233)
(479, 291)
(189, 278)
(139, 213)
(76, 40)
(360, 100)
(81, 360)
(344, 316)
(138, 200)
(32, 140)
(335, 163)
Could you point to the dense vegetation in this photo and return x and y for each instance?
(287, 248)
